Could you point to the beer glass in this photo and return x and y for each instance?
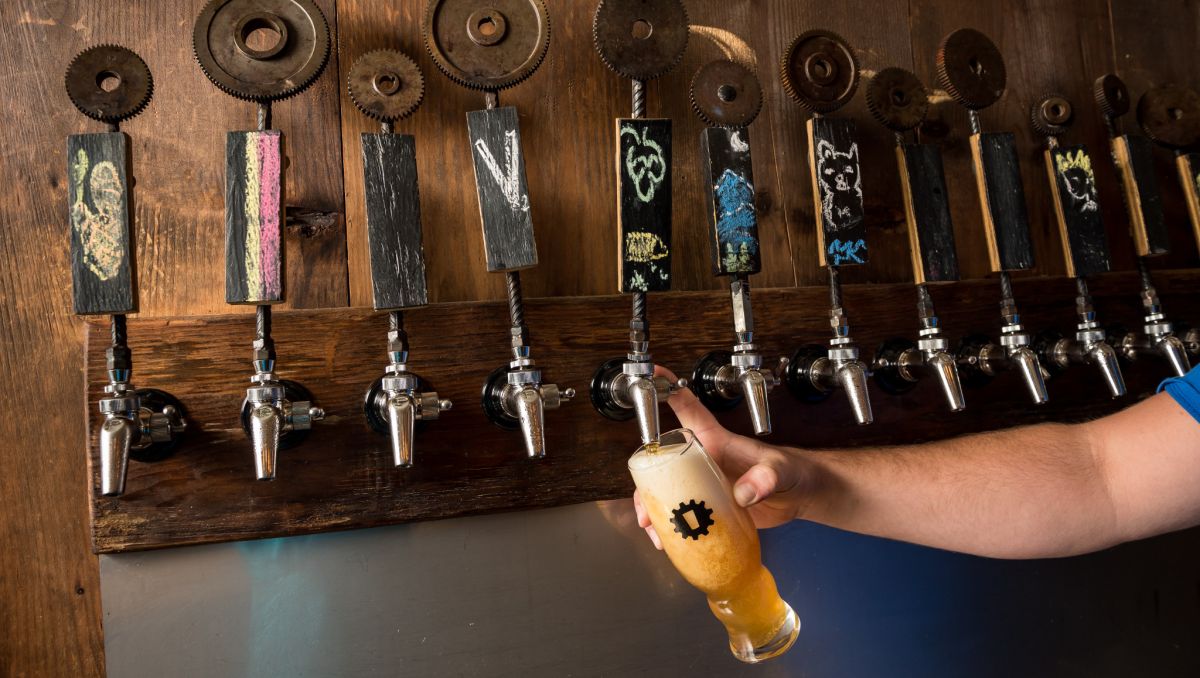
(713, 543)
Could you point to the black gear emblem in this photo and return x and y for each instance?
(703, 519)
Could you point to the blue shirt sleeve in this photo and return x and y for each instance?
(1186, 391)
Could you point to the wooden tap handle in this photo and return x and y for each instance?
(1134, 158)
(732, 217)
(1002, 201)
(394, 221)
(837, 191)
(1077, 210)
(254, 217)
(643, 204)
(102, 251)
(495, 137)
(927, 213)
(1188, 165)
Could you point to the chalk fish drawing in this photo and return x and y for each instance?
(99, 225)
(1076, 171)
(840, 252)
(262, 158)
(509, 179)
(841, 185)
(642, 247)
(737, 225)
(645, 162)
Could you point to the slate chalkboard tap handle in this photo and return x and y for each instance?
(1170, 115)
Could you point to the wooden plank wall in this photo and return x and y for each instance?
(49, 596)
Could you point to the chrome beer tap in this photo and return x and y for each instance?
(398, 399)
(141, 423)
(980, 359)
(626, 388)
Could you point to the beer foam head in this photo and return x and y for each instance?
(644, 459)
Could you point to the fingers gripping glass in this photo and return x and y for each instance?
(713, 543)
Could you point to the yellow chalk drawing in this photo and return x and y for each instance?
(1077, 160)
(99, 226)
(253, 248)
(642, 247)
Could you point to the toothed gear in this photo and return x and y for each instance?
(640, 39)
(1170, 115)
(1111, 95)
(701, 514)
(386, 85)
(1052, 115)
(92, 67)
(971, 69)
(820, 71)
(897, 99)
(283, 69)
(726, 94)
(487, 46)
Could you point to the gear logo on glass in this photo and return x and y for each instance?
(701, 517)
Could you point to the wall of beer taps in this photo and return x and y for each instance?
(350, 411)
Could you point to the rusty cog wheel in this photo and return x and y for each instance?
(1052, 114)
(386, 85)
(819, 70)
(1111, 95)
(897, 99)
(640, 39)
(971, 69)
(487, 46)
(293, 54)
(726, 94)
(1170, 115)
(109, 83)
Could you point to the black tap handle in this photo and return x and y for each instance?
(98, 188)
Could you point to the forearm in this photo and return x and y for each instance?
(1038, 491)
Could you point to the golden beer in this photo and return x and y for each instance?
(713, 543)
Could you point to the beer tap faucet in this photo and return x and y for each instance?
(640, 40)
(820, 71)
(1133, 157)
(899, 101)
(276, 413)
(387, 85)
(971, 70)
(493, 49)
(109, 83)
(1085, 246)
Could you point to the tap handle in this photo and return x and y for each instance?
(1176, 353)
(756, 384)
(531, 417)
(945, 368)
(1105, 357)
(266, 423)
(401, 419)
(644, 394)
(1031, 371)
(853, 378)
(116, 437)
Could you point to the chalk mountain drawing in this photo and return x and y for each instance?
(645, 162)
(1076, 171)
(99, 225)
(509, 178)
(839, 252)
(737, 227)
(841, 185)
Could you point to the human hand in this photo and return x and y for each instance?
(767, 480)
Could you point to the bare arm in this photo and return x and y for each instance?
(1037, 491)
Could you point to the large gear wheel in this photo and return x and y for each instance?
(971, 69)
(1052, 115)
(228, 53)
(1170, 115)
(109, 83)
(1111, 95)
(386, 85)
(487, 46)
(820, 71)
(640, 39)
(897, 99)
(726, 94)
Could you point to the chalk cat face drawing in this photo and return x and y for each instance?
(841, 182)
(1082, 188)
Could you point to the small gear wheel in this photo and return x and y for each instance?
(897, 99)
(820, 71)
(971, 69)
(109, 83)
(701, 515)
(1170, 115)
(291, 54)
(386, 85)
(726, 94)
(487, 46)
(640, 39)
(1111, 95)
(1052, 115)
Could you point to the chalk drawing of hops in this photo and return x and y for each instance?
(99, 226)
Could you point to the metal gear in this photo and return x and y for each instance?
(819, 70)
(971, 69)
(640, 39)
(1052, 114)
(109, 83)
(726, 94)
(223, 33)
(897, 99)
(487, 46)
(1111, 95)
(1170, 115)
(386, 85)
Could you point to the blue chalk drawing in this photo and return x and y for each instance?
(840, 252)
(737, 225)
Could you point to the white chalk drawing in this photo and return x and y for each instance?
(645, 162)
(841, 185)
(1075, 167)
(737, 143)
(508, 179)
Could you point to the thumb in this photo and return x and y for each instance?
(761, 481)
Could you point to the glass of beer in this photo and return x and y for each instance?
(713, 543)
